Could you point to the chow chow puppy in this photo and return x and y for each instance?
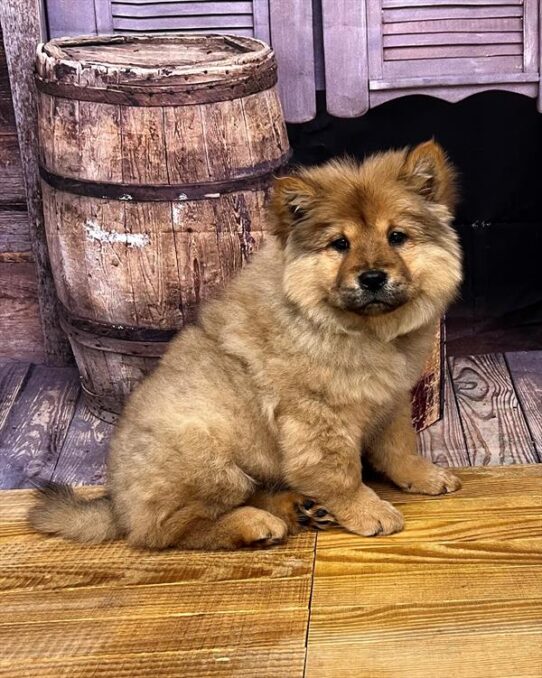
(258, 415)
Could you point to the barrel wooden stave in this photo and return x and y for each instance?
(127, 257)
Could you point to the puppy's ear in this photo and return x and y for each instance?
(291, 202)
(428, 171)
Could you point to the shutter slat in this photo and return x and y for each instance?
(180, 9)
(182, 22)
(455, 26)
(450, 52)
(406, 68)
(409, 4)
(431, 13)
(421, 39)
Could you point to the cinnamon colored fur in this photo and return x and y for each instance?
(291, 373)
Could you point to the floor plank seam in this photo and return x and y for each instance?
(522, 409)
(310, 605)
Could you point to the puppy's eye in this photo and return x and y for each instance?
(297, 212)
(396, 238)
(340, 244)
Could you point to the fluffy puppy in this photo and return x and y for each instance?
(308, 357)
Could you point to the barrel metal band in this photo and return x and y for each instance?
(137, 341)
(254, 178)
(172, 94)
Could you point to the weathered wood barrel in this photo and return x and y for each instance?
(156, 157)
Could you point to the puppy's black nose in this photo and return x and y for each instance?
(373, 280)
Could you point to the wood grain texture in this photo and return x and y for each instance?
(457, 594)
(443, 442)
(114, 611)
(526, 371)
(495, 429)
(20, 326)
(147, 264)
(292, 40)
(437, 600)
(12, 378)
(23, 28)
(347, 78)
(36, 425)
(82, 458)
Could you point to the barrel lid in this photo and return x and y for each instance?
(154, 64)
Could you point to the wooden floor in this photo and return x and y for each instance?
(458, 593)
(493, 416)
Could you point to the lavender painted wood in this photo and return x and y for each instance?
(164, 9)
(451, 93)
(453, 12)
(292, 40)
(495, 65)
(492, 25)
(446, 3)
(260, 13)
(466, 39)
(446, 52)
(345, 54)
(531, 35)
(374, 37)
(66, 17)
(453, 80)
(104, 18)
(539, 101)
(200, 23)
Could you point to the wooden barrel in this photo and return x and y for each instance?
(156, 157)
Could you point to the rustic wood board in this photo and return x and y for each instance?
(459, 593)
(20, 328)
(443, 442)
(83, 455)
(113, 611)
(12, 379)
(37, 425)
(526, 370)
(495, 428)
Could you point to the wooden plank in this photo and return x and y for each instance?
(448, 39)
(345, 57)
(14, 232)
(104, 18)
(64, 17)
(37, 425)
(23, 28)
(292, 40)
(116, 611)
(20, 326)
(219, 662)
(453, 52)
(11, 171)
(12, 378)
(204, 9)
(200, 23)
(442, 601)
(443, 442)
(7, 117)
(488, 25)
(495, 428)
(526, 371)
(430, 13)
(82, 458)
(531, 36)
(262, 29)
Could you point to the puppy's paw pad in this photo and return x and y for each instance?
(433, 481)
(312, 515)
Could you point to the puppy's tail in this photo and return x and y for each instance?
(58, 510)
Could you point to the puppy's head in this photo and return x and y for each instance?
(370, 241)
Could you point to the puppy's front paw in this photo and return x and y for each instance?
(375, 517)
(431, 479)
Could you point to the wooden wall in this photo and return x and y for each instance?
(20, 327)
